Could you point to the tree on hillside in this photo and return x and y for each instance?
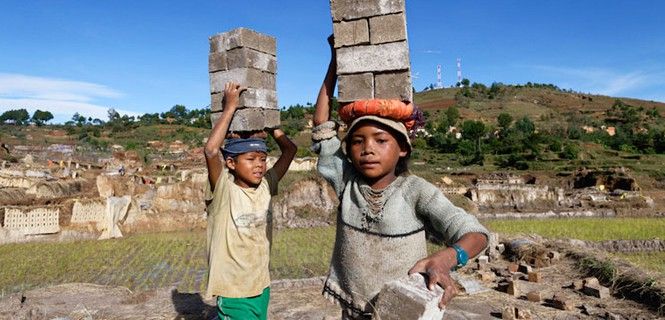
(113, 115)
(18, 116)
(525, 126)
(40, 117)
(474, 131)
(504, 120)
(453, 115)
(179, 113)
(78, 119)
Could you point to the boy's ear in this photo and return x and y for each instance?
(403, 153)
(230, 163)
(403, 149)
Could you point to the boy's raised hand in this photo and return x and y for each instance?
(437, 270)
(232, 95)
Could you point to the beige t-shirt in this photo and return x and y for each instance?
(239, 236)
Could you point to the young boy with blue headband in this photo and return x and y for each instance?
(239, 230)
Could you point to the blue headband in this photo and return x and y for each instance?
(235, 147)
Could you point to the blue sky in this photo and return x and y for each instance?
(146, 56)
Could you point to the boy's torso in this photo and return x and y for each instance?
(239, 242)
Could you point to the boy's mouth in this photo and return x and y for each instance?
(369, 164)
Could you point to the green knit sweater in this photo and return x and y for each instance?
(381, 234)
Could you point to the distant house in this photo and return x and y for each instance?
(611, 131)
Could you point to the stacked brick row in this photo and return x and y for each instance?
(248, 58)
(372, 50)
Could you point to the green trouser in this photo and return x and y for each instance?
(244, 308)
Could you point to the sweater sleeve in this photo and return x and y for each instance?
(447, 221)
(332, 163)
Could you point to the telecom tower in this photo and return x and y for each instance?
(439, 83)
(459, 71)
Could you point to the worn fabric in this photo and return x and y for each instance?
(251, 308)
(374, 246)
(238, 146)
(239, 235)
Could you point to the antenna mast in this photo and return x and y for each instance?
(459, 71)
(439, 83)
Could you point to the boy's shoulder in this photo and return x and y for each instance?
(413, 180)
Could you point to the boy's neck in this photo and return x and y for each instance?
(381, 182)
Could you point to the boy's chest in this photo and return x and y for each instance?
(250, 209)
(388, 214)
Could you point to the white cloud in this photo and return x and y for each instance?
(432, 51)
(601, 81)
(61, 97)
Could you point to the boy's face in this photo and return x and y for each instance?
(374, 152)
(248, 168)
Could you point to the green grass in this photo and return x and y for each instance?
(591, 229)
(301, 253)
(653, 261)
(148, 261)
(178, 259)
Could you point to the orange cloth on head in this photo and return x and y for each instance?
(391, 109)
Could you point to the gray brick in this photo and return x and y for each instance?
(217, 62)
(216, 102)
(376, 58)
(393, 86)
(246, 77)
(248, 119)
(596, 290)
(354, 9)
(271, 117)
(249, 58)
(243, 37)
(534, 296)
(351, 33)
(409, 298)
(214, 116)
(258, 98)
(355, 87)
(388, 28)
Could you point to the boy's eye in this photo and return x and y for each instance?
(356, 141)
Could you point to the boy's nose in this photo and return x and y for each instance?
(367, 148)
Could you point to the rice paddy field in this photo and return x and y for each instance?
(178, 259)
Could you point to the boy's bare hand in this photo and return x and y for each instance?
(437, 268)
(232, 95)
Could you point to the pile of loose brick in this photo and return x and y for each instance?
(372, 50)
(524, 280)
(248, 58)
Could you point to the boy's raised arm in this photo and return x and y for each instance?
(322, 111)
(288, 149)
(216, 139)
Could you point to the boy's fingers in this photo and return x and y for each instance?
(450, 290)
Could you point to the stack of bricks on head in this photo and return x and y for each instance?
(247, 58)
(372, 58)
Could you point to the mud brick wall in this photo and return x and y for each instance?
(33, 221)
(87, 211)
(372, 50)
(249, 58)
